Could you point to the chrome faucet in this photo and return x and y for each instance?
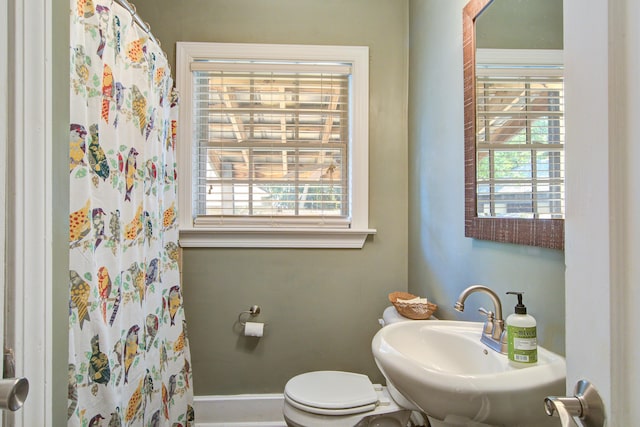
(494, 334)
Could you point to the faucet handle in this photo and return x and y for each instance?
(488, 324)
(486, 312)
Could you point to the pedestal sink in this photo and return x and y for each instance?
(443, 368)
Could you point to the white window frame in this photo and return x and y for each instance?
(256, 235)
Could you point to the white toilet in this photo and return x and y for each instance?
(345, 399)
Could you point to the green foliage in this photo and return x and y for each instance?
(315, 197)
(516, 164)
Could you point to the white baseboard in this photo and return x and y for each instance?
(242, 410)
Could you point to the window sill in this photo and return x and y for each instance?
(273, 238)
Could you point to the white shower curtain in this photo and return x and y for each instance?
(129, 360)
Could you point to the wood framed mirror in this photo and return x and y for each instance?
(534, 231)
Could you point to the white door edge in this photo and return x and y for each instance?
(4, 126)
(31, 143)
(603, 213)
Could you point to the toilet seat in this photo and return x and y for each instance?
(331, 393)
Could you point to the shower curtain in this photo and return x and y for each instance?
(129, 360)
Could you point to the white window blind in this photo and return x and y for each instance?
(271, 142)
(520, 141)
(274, 145)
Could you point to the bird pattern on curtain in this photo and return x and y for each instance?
(129, 360)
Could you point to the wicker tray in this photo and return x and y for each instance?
(415, 311)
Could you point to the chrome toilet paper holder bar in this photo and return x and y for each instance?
(253, 311)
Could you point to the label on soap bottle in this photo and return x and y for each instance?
(522, 344)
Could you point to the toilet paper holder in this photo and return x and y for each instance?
(253, 311)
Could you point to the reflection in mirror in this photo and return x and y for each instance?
(514, 121)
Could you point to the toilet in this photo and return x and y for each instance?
(345, 399)
(340, 399)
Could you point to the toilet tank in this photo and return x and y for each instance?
(390, 315)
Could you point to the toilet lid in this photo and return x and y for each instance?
(332, 392)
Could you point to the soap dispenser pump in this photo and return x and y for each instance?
(521, 335)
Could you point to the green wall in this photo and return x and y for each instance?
(321, 306)
(60, 212)
(520, 24)
(442, 262)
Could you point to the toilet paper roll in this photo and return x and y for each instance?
(253, 329)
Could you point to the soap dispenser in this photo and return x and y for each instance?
(521, 336)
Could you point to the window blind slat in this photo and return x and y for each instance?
(520, 142)
(262, 67)
(272, 139)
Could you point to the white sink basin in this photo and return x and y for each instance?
(444, 369)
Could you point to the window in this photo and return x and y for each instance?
(277, 151)
(519, 135)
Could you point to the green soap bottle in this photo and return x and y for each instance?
(522, 336)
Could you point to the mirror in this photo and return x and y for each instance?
(521, 20)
